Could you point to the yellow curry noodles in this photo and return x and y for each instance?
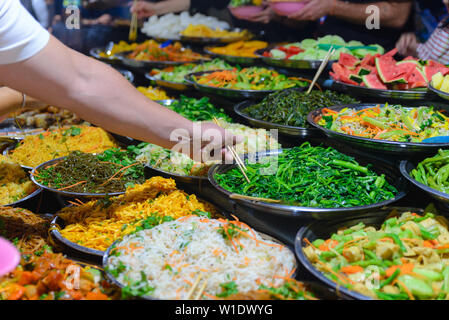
(36, 149)
(98, 223)
(407, 258)
(15, 183)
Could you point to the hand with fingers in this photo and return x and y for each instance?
(407, 44)
(313, 10)
(144, 9)
(206, 142)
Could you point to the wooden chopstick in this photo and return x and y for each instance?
(239, 163)
(132, 36)
(192, 289)
(242, 197)
(236, 157)
(321, 68)
(200, 292)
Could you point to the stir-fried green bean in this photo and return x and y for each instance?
(434, 171)
(311, 177)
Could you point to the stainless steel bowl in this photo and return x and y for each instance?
(114, 280)
(384, 146)
(291, 64)
(246, 61)
(283, 129)
(364, 92)
(441, 94)
(95, 52)
(70, 247)
(324, 229)
(169, 84)
(296, 212)
(65, 193)
(406, 167)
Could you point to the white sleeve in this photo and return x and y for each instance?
(21, 37)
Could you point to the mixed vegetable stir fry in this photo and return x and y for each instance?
(310, 177)
(47, 276)
(406, 258)
(177, 73)
(388, 122)
(153, 51)
(434, 171)
(291, 107)
(253, 78)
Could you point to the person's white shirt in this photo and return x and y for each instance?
(21, 36)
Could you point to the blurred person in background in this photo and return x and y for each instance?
(348, 19)
(266, 24)
(435, 48)
(39, 10)
(98, 23)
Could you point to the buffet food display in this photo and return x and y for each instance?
(318, 170)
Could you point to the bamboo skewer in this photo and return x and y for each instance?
(242, 197)
(321, 68)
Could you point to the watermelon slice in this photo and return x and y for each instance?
(433, 68)
(401, 86)
(373, 81)
(391, 53)
(416, 79)
(348, 60)
(368, 60)
(388, 71)
(343, 73)
(363, 71)
(356, 78)
(410, 58)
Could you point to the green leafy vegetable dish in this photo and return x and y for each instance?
(405, 259)
(310, 177)
(198, 109)
(177, 73)
(109, 172)
(290, 107)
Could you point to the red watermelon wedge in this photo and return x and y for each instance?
(388, 71)
(433, 67)
(343, 73)
(416, 79)
(373, 81)
(348, 60)
(391, 53)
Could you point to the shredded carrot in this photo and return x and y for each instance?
(351, 269)
(73, 185)
(407, 290)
